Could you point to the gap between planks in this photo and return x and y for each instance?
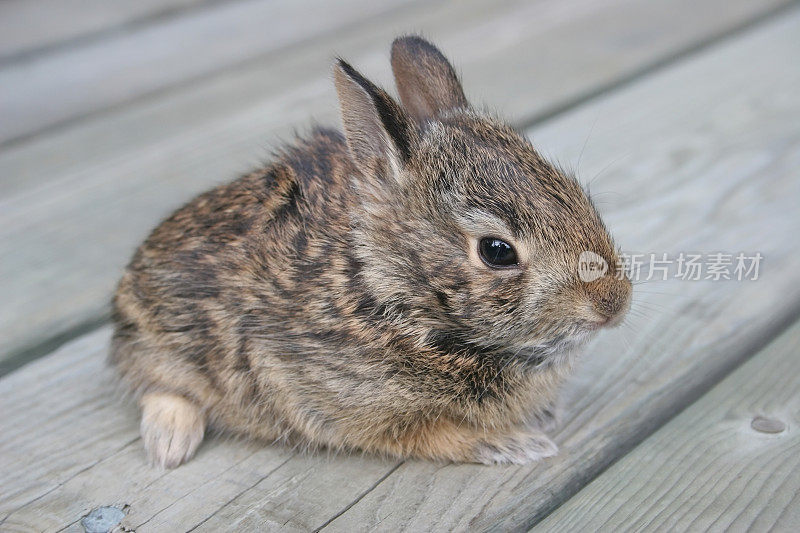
(760, 343)
(711, 467)
(659, 64)
(21, 53)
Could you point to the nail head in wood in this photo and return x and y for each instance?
(764, 424)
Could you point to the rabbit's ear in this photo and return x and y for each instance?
(426, 81)
(378, 132)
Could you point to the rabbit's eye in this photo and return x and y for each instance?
(497, 253)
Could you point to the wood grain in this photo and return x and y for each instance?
(29, 26)
(709, 469)
(56, 87)
(74, 203)
(694, 166)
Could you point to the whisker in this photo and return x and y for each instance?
(585, 142)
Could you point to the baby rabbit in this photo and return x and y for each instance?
(408, 288)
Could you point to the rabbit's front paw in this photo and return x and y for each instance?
(517, 447)
(172, 428)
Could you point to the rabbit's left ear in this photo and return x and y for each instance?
(379, 134)
(427, 83)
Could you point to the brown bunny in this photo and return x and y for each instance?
(409, 288)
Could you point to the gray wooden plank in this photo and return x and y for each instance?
(28, 26)
(74, 203)
(702, 168)
(704, 157)
(56, 87)
(711, 468)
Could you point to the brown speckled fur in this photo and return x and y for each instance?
(336, 298)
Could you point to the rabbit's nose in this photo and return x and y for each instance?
(611, 298)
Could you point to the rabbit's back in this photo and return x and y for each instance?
(231, 270)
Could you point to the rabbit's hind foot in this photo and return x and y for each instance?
(172, 428)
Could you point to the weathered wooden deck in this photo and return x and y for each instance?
(683, 114)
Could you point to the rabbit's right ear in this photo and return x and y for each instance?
(427, 83)
(379, 134)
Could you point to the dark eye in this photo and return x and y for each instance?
(497, 253)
